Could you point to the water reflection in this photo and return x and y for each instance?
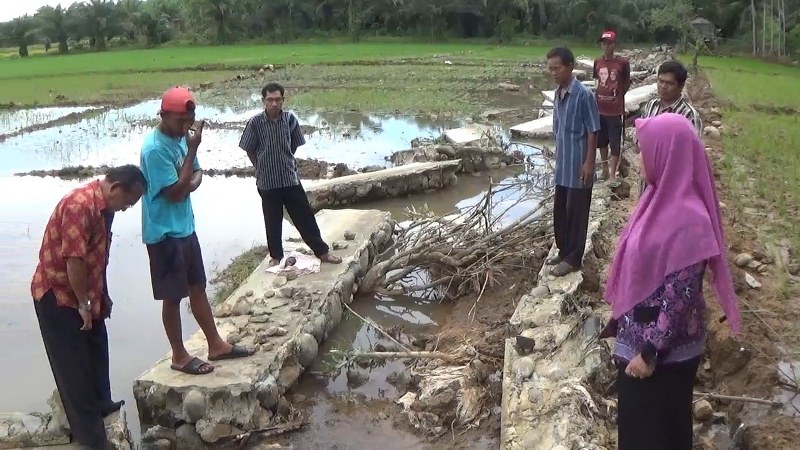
(114, 137)
(15, 120)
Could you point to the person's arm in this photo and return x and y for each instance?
(197, 176)
(75, 235)
(591, 122)
(625, 76)
(162, 177)
(668, 318)
(296, 133)
(594, 70)
(694, 117)
(249, 141)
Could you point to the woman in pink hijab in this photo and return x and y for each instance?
(655, 286)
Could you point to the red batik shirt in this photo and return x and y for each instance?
(77, 228)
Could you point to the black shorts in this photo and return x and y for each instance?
(610, 135)
(176, 264)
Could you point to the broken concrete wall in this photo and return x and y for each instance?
(284, 318)
(549, 388)
(44, 429)
(392, 182)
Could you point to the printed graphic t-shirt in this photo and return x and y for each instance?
(613, 81)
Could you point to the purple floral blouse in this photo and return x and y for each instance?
(669, 325)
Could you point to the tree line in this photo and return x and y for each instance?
(766, 27)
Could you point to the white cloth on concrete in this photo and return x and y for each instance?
(303, 265)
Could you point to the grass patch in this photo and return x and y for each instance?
(135, 74)
(99, 88)
(231, 277)
(761, 148)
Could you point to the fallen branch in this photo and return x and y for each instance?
(380, 330)
(262, 433)
(737, 399)
(396, 355)
(465, 251)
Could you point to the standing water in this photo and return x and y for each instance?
(136, 335)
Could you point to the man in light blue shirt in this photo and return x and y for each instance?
(169, 163)
(576, 122)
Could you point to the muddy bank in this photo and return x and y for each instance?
(765, 269)
(309, 169)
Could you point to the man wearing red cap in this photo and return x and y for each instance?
(613, 75)
(169, 162)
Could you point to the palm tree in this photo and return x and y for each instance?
(54, 23)
(20, 32)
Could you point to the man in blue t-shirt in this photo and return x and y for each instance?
(169, 163)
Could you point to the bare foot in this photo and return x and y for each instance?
(329, 258)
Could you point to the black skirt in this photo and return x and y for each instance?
(655, 413)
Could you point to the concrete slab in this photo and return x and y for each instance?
(637, 96)
(392, 182)
(285, 320)
(541, 128)
(466, 135)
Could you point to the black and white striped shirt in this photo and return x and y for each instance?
(274, 143)
(681, 106)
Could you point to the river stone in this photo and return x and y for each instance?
(540, 291)
(307, 349)
(702, 410)
(162, 444)
(263, 318)
(187, 438)
(243, 307)
(279, 282)
(743, 259)
(267, 393)
(157, 433)
(276, 331)
(212, 432)
(523, 368)
(194, 406)
(31, 423)
(349, 235)
(269, 294)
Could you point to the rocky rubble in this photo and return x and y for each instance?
(21, 430)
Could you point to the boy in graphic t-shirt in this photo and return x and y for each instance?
(613, 75)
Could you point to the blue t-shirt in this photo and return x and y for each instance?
(161, 161)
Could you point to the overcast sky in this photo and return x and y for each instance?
(11, 9)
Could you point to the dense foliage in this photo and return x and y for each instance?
(767, 27)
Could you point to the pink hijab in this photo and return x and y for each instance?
(676, 223)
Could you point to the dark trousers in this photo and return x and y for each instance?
(655, 413)
(294, 199)
(79, 361)
(571, 222)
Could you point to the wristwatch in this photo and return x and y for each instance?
(86, 307)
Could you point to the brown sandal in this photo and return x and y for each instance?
(331, 259)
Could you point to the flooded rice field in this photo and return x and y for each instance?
(229, 221)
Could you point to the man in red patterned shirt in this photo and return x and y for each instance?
(613, 75)
(72, 302)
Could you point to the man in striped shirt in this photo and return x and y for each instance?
(576, 121)
(672, 77)
(271, 139)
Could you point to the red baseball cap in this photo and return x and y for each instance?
(178, 100)
(609, 36)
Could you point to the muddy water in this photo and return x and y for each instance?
(136, 333)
